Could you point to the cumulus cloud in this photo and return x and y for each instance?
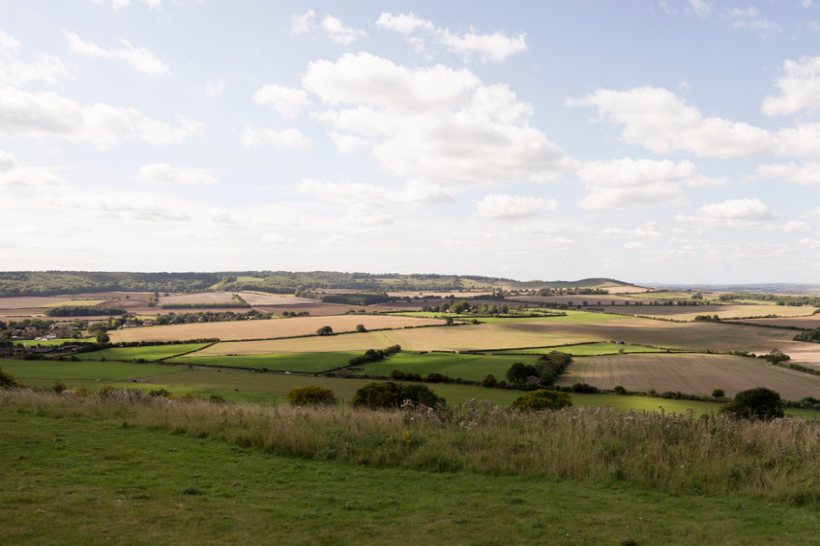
(498, 206)
(287, 101)
(15, 71)
(804, 174)
(628, 182)
(799, 88)
(163, 173)
(736, 212)
(657, 119)
(432, 123)
(495, 46)
(140, 58)
(48, 114)
(338, 32)
(286, 139)
(15, 174)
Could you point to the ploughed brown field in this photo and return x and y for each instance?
(807, 323)
(689, 373)
(262, 329)
(215, 298)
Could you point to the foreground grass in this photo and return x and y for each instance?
(778, 460)
(69, 481)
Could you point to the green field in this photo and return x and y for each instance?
(69, 481)
(148, 353)
(587, 349)
(291, 362)
(39, 371)
(472, 367)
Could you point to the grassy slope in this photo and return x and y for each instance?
(149, 353)
(85, 482)
(80, 372)
(471, 367)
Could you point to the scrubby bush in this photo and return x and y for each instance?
(7, 381)
(361, 328)
(489, 381)
(311, 395)
(399, 375)
(59, 387)
(777, 356)
(759, 403)
(103, 337)
(542, 400)
(393, 395)
(619, 389)
(718, 393)
(324, 331)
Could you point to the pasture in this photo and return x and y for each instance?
(144, 483)
(147, 353)
(587, 349)
(283, 362)
(471, 367)
(45, 372)
(689, 373)
(265, 329)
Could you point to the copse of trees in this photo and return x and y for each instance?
(812, 336)
(84, 311)
(356, 299)
(544, 372)
(394, 395)
(324, 331)
(374, 355)
(760, 403)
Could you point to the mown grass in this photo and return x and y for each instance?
(291, 362)
(587, 349)
(71, 481)
(147, 353)
(53, 342)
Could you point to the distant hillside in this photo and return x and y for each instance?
(46, 283)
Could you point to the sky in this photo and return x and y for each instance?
(671, 141)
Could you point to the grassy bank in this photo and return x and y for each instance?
(72, 481)
(778, 460)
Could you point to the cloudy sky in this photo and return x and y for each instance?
(670, 141)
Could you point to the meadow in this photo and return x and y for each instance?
(588, 349)
(178, 489)
(147, 353)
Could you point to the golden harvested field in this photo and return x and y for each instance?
(689, 373)
(439, 294)
(262, 329)
(263, 298)
(808, 322)
(728, 311)
(315, 344)
(253, 298)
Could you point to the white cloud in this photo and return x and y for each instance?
(287, 101)
(140, 58)
(302, 23)
(512, 207)
(649, 230)
(751, 19)
(793, 226)
(634, 245)
(804, 174)
(338, 32)
(802, 140)
(286, 139)
(214, 88)
(163, 173)
(628, 182)
(658, 120)
(48, 114)
(356, 193)
(736, 211)
(701, 7)
(276, 239)
(15, 174)
(14, 71)
(496, 46)
(366, 217)
(432, 123)
(799, 88)
(117, 5)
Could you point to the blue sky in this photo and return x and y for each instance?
(673, 141)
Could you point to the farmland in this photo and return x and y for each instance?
(588, 349)
(696, 374)
(147, 353)
(264, 329)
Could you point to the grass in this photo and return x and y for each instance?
(38, 371)
(152, 487)
(149, 353)
(588, 349)
(464, 366)
(293, 362)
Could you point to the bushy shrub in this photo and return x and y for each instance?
(59, 387)
(361, 328)
(776, 356)
(311, 395)
(489, 381)
(585, 388)
(759, 403)
(718, 393)
(619, 389)
(542, 400)
(393, 395)
(399, 375)
(7, 381)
